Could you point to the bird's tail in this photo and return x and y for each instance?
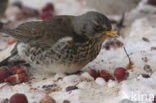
(12, 61)
(6, 31)
(9, 32)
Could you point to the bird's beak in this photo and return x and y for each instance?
(111, 33)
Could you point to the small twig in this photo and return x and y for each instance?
(127, 54)
(130, 64)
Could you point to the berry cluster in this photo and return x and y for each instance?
(14, 75)
(47, 11)
(119, 74)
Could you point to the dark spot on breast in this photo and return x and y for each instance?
(59, 56)
(71, 56)
(68, 51)
(34, 54)
(74, 50)
(32, 58)
(37, 62)
(39, 51)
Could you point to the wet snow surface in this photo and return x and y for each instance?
(140, 43)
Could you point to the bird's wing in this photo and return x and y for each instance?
(43, 32)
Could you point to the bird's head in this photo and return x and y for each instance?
(93, 24)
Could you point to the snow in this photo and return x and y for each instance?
(100, 81)
(136, 89)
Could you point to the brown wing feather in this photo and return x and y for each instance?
(43, 32)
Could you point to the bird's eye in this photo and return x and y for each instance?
(98, 27)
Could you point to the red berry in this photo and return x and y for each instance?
(4, 73)
(18, 98)
(17, 78)
(152, 2)
(12, 41)
(94, 73)
(18, 69)
(106, 75)
(47, 99)
(154, 100)
(120, 73)
(48, 7)
(45, 15)
(66, 101)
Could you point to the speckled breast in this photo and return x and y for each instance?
(64, 53)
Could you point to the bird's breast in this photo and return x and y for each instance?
(63, 57)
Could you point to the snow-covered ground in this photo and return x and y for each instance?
(139, 39)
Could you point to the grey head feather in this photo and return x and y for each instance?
(85, 24)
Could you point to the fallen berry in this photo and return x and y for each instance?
(48, 8)
(18, 98)
(45, 15)
(12, 41)
(106, 75)
(120, 73)
(94, 73)
(147, 68)
(112, 43)
(4, 73)
(18, 69)
(47, 99)
(17, 78)
(152, 2)
(145, 75)
(145, 39)
(66, 101)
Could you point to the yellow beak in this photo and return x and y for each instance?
(111, 33)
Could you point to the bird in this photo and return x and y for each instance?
(60, 44)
